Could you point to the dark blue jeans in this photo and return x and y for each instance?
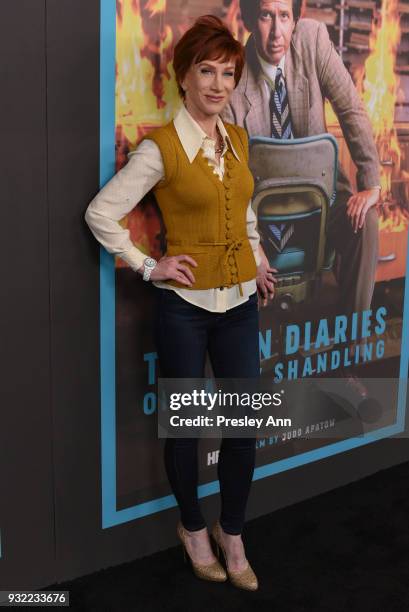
(184, 333)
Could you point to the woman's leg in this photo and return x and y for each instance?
(181, 340)
(234, 353)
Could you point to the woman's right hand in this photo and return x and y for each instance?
(172, 268)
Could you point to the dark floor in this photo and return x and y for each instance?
(344, 550)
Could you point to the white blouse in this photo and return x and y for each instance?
(142, 172)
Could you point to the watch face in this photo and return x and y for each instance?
(150, 262)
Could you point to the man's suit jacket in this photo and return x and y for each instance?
(313, 71)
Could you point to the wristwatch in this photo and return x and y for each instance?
(148, 265)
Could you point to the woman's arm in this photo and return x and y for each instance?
(265, 274)
(119, 196)
(252, 232)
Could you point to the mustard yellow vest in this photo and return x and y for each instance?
(204, 217)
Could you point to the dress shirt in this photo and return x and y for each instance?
(269, 71)
(142, 172)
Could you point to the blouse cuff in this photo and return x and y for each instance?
(257, 257)
(133, 257)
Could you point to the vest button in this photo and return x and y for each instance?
(229, 234)
(231, 259)
(228, 214)
(228, 205)
(229, 224)
(233, 269)
(230, 164)
(234, 278)
(230, 173)
(228, 194)
(227, 182)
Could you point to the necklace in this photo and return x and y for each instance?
(220, 143)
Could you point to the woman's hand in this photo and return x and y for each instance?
(172, 268)
(265, 279)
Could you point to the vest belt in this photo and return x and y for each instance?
(232, 247)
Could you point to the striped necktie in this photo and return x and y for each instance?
(280, 110)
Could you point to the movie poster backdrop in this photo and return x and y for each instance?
(297, 339)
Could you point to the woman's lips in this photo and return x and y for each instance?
(215, 98)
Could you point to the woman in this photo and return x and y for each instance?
(207, 281)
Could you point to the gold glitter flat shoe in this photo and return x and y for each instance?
(213, 571)
(246, 579)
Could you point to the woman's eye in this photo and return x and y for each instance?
(229, 74)
(205, 71)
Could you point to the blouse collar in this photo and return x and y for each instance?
(192, 136)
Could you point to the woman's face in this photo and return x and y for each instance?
(208, 86)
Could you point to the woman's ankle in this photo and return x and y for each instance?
(199, 532)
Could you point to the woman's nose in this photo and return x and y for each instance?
(218, 82)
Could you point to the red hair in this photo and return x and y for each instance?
(207, 39)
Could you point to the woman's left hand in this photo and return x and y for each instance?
(265, 279)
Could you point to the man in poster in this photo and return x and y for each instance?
(295, 59)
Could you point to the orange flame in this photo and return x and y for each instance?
(378, 86)
(146, 95)
(233, 21)
(156, 6)
(380, 89)
(395, 219)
